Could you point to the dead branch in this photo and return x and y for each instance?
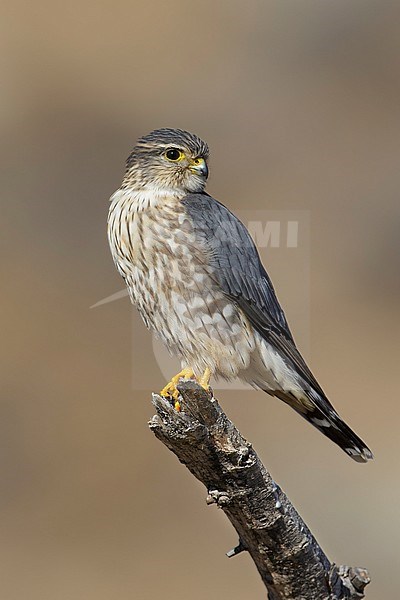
(290, 561)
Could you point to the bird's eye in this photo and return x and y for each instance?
(174, 154)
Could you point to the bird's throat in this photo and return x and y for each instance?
(145, 198)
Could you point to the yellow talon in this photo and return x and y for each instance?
(171, 390)
(204, 380)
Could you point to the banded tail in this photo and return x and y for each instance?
(319, 412)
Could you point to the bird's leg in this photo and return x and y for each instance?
(204, 380)
(171, 390)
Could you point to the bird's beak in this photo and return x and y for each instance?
(199, 167)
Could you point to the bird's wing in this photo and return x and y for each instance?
(237, 268)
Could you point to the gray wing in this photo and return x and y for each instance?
(237, 268)
(239, 272)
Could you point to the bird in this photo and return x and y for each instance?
(194, 273)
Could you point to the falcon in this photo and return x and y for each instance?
(196, 278)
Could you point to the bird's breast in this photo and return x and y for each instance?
(156, 251)
(171, 281)
(141, 234)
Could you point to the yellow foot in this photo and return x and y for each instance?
(171, 390)
(204, 380)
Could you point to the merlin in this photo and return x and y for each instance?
(196, 278)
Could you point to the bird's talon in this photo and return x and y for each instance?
(170, 390)
(204, 380)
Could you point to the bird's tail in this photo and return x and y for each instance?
(320, 413)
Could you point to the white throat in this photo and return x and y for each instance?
(144, 198)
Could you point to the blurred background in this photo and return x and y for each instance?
(299, 102)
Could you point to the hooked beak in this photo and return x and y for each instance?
(199, 167)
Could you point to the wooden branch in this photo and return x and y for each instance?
(291, 563)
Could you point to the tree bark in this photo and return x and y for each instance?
(290, 561)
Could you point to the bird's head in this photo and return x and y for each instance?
(168, 159)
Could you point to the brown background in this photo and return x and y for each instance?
(299, 101)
